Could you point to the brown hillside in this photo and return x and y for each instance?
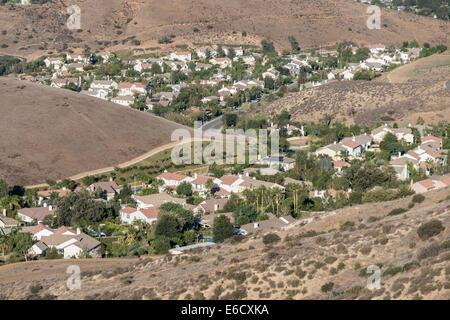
(334, 247)
(413, 90)
(55, 133)
(41, 28)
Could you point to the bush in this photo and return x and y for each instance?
(430, 229)
(391, 271)
(418, 198)
(327, 287)
(397, 211)
(271, 238)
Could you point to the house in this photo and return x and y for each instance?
(108, 189)
(77, 57)
(56, 63)
(210, 206)
(352, 147)
(73, 66)
(97, 93)
(432, 139)
(330, 193)
(181, 55)
(400, 166)
(123, 100)
(379, 133)
(39, 231)
(229, 183)
(127, 88)
(199, 183)
(6, 222)
(424, 186)
(376, 48)
(147, 215)
(299, 182)
(272, 224)
(38, 214)
(104, 84)
(72, 246)
(404, 134)
(222, 62)
(253, 183)
(339, 165)
(208, 219)
(157, 200)
(172, 179)
(332, 150)
(59, 83)
(238, 51)
(364, 140)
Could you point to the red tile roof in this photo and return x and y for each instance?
(350, 144)
(172, 176)
(431, 138)
(228, 180)
(202, 179)
(128, 210)
(150, 213)
(428, 183)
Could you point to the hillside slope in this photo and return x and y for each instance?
(413, 90)
(40, 28)
(333, 247)
(55, 133)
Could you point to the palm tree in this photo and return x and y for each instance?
(3, 244)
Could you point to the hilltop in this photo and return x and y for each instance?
(410, 91)
(323, 256)
(49, 133)
(123, 24)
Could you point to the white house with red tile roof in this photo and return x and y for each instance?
(148, 215)
(352, 147)
(173, 179)
(222, 62)
(432, 139)
(229, 183)
(39, 231)
(199, 183)
(339, 165)
(424, 186)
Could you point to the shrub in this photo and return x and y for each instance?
(366, 250)
(396, 211)
(418, 198)
(391, 271)
(271, 238)
(347, 226)
(430, 229)
(330, 260)
(430, 251)
(300, 273)
(327, 287)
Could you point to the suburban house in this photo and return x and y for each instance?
(56, 63)
(432, 140)
(173, 179)
(40, 230)
(70, 246)
(364, 140)
(208, 219)
(272, 224)
(210, 206)
(229, 183)
(104, 84)
(331, 150)
(147, 215)
(352, 147)
(181, 55)
(6, 222)
(253, 183)
(108, 188)
(156, 200)
(123, 100)
(400, 166)
(278, 162)
(38, 214)
(222, 62)
(199, 183)
(60, 192)
(339, 165)
(288, 180)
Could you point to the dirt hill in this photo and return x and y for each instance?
(413, 90)
(55, 133)
(37, 29)
(325, 256)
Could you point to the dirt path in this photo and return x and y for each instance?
(124, 164)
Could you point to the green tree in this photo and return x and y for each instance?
(184, 188)
(222, 228)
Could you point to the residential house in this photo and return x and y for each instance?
(38, 214)
(108, 188)
(6, 222)
(352, 147)
(181, 55)
(253, 184)
(123, 100)
(331, 150)
(364, 140)
(56, 63)
(229, 183)
(222, 62)
(272, 224)
(157, 200)
(72, 246)
(173, 179)
(210, 206)
(104, 84)
(147, 215)
(39, 231)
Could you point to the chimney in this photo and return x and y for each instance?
(78, 231)
(64, 188)
(349, 190)
(4, 212)
(216, 207)
(195, 175)
(399, 154)
(335, 142)
(50, 208)
(256, 225)
(40, 200)
(354, 138)
(45, 204)
(316, 193)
